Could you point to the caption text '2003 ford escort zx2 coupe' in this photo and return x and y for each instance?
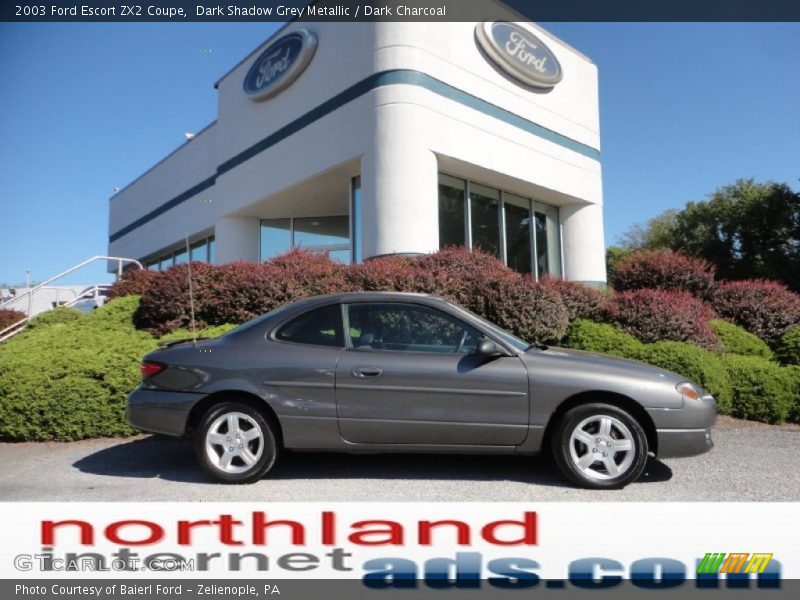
(393, 372)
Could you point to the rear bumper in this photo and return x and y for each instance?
(675, 443)
(157, 411)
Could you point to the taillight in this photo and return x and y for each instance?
(149, 368)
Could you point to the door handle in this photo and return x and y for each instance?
(366, 372)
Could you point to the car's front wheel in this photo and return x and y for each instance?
(599, 446)
(235, 443)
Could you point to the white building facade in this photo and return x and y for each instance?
(372, 139)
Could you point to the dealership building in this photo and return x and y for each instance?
(373, 139)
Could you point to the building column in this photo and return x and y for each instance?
(237, 238)
(399, 187)
(583, 243)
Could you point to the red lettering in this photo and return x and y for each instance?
(260, 524)
(425, 528)
(528, 525)
(49, 527)
(112, 533)
(392, 532)
(328, 528)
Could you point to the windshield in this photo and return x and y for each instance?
(508, 337)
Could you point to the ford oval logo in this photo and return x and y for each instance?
(519, 53)
(280, 64)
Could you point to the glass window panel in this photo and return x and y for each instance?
(181, 256)
(484, 206)
(165, 262)
(541, 244)
(320, 327)
(409, 328)
(276, 237)
(212, 250)
(518, 232)
(355, 211)
(199, 252)
(451, 211)
(310, 232)
(548, 242)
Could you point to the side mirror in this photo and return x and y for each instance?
(487, 347)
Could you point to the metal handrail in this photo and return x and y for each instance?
(7, 333)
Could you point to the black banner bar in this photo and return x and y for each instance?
(396, 10)
(352, 589)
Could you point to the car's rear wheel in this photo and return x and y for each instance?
(599, 446)
(235, 443)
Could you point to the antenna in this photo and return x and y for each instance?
(191, 291)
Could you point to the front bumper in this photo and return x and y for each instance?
(675, 443)
(157, 411)
(685, 431)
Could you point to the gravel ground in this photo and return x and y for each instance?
(751, 462)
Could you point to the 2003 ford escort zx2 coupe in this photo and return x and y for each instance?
(393, 372)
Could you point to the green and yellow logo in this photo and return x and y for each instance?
(719, 562)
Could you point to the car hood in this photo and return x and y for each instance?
(602, 363)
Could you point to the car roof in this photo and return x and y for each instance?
(370, 296)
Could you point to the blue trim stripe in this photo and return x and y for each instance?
(394, 77)
(203, 185)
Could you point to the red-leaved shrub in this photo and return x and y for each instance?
(164, 304)
(528, 309)
(664, 269)
(765, 308)
(385, 274)
(469, 278)
(9, 316)
(654, 315)
(236, 292)
(133, 282)
(582, 301)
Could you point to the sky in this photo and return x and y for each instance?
(685, 108)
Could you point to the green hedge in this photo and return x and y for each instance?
(794, 374)
(696, 364)
(58, 316)
(68, 377)
(211, 331)
(736, 340)
(762, 390)
(602, 338)
(789, 348)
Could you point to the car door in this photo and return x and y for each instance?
(297, 372)
(409, 375)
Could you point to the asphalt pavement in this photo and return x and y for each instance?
(749, 463)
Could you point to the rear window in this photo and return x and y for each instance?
(319, 327)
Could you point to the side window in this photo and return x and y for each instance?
(409, 328)
(320, 327)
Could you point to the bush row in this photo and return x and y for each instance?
(67, 376)
(789, 348)
(536, 311)
(748, 386)
(236, 292)
(765, 308)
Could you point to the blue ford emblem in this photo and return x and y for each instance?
(519, 53)
(280, 64)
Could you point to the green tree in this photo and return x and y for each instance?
(748, 230)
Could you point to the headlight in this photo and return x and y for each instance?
(688, 390)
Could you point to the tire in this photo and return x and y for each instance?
(231, 459)
(589, 446)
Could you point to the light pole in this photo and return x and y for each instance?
(30, 295)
